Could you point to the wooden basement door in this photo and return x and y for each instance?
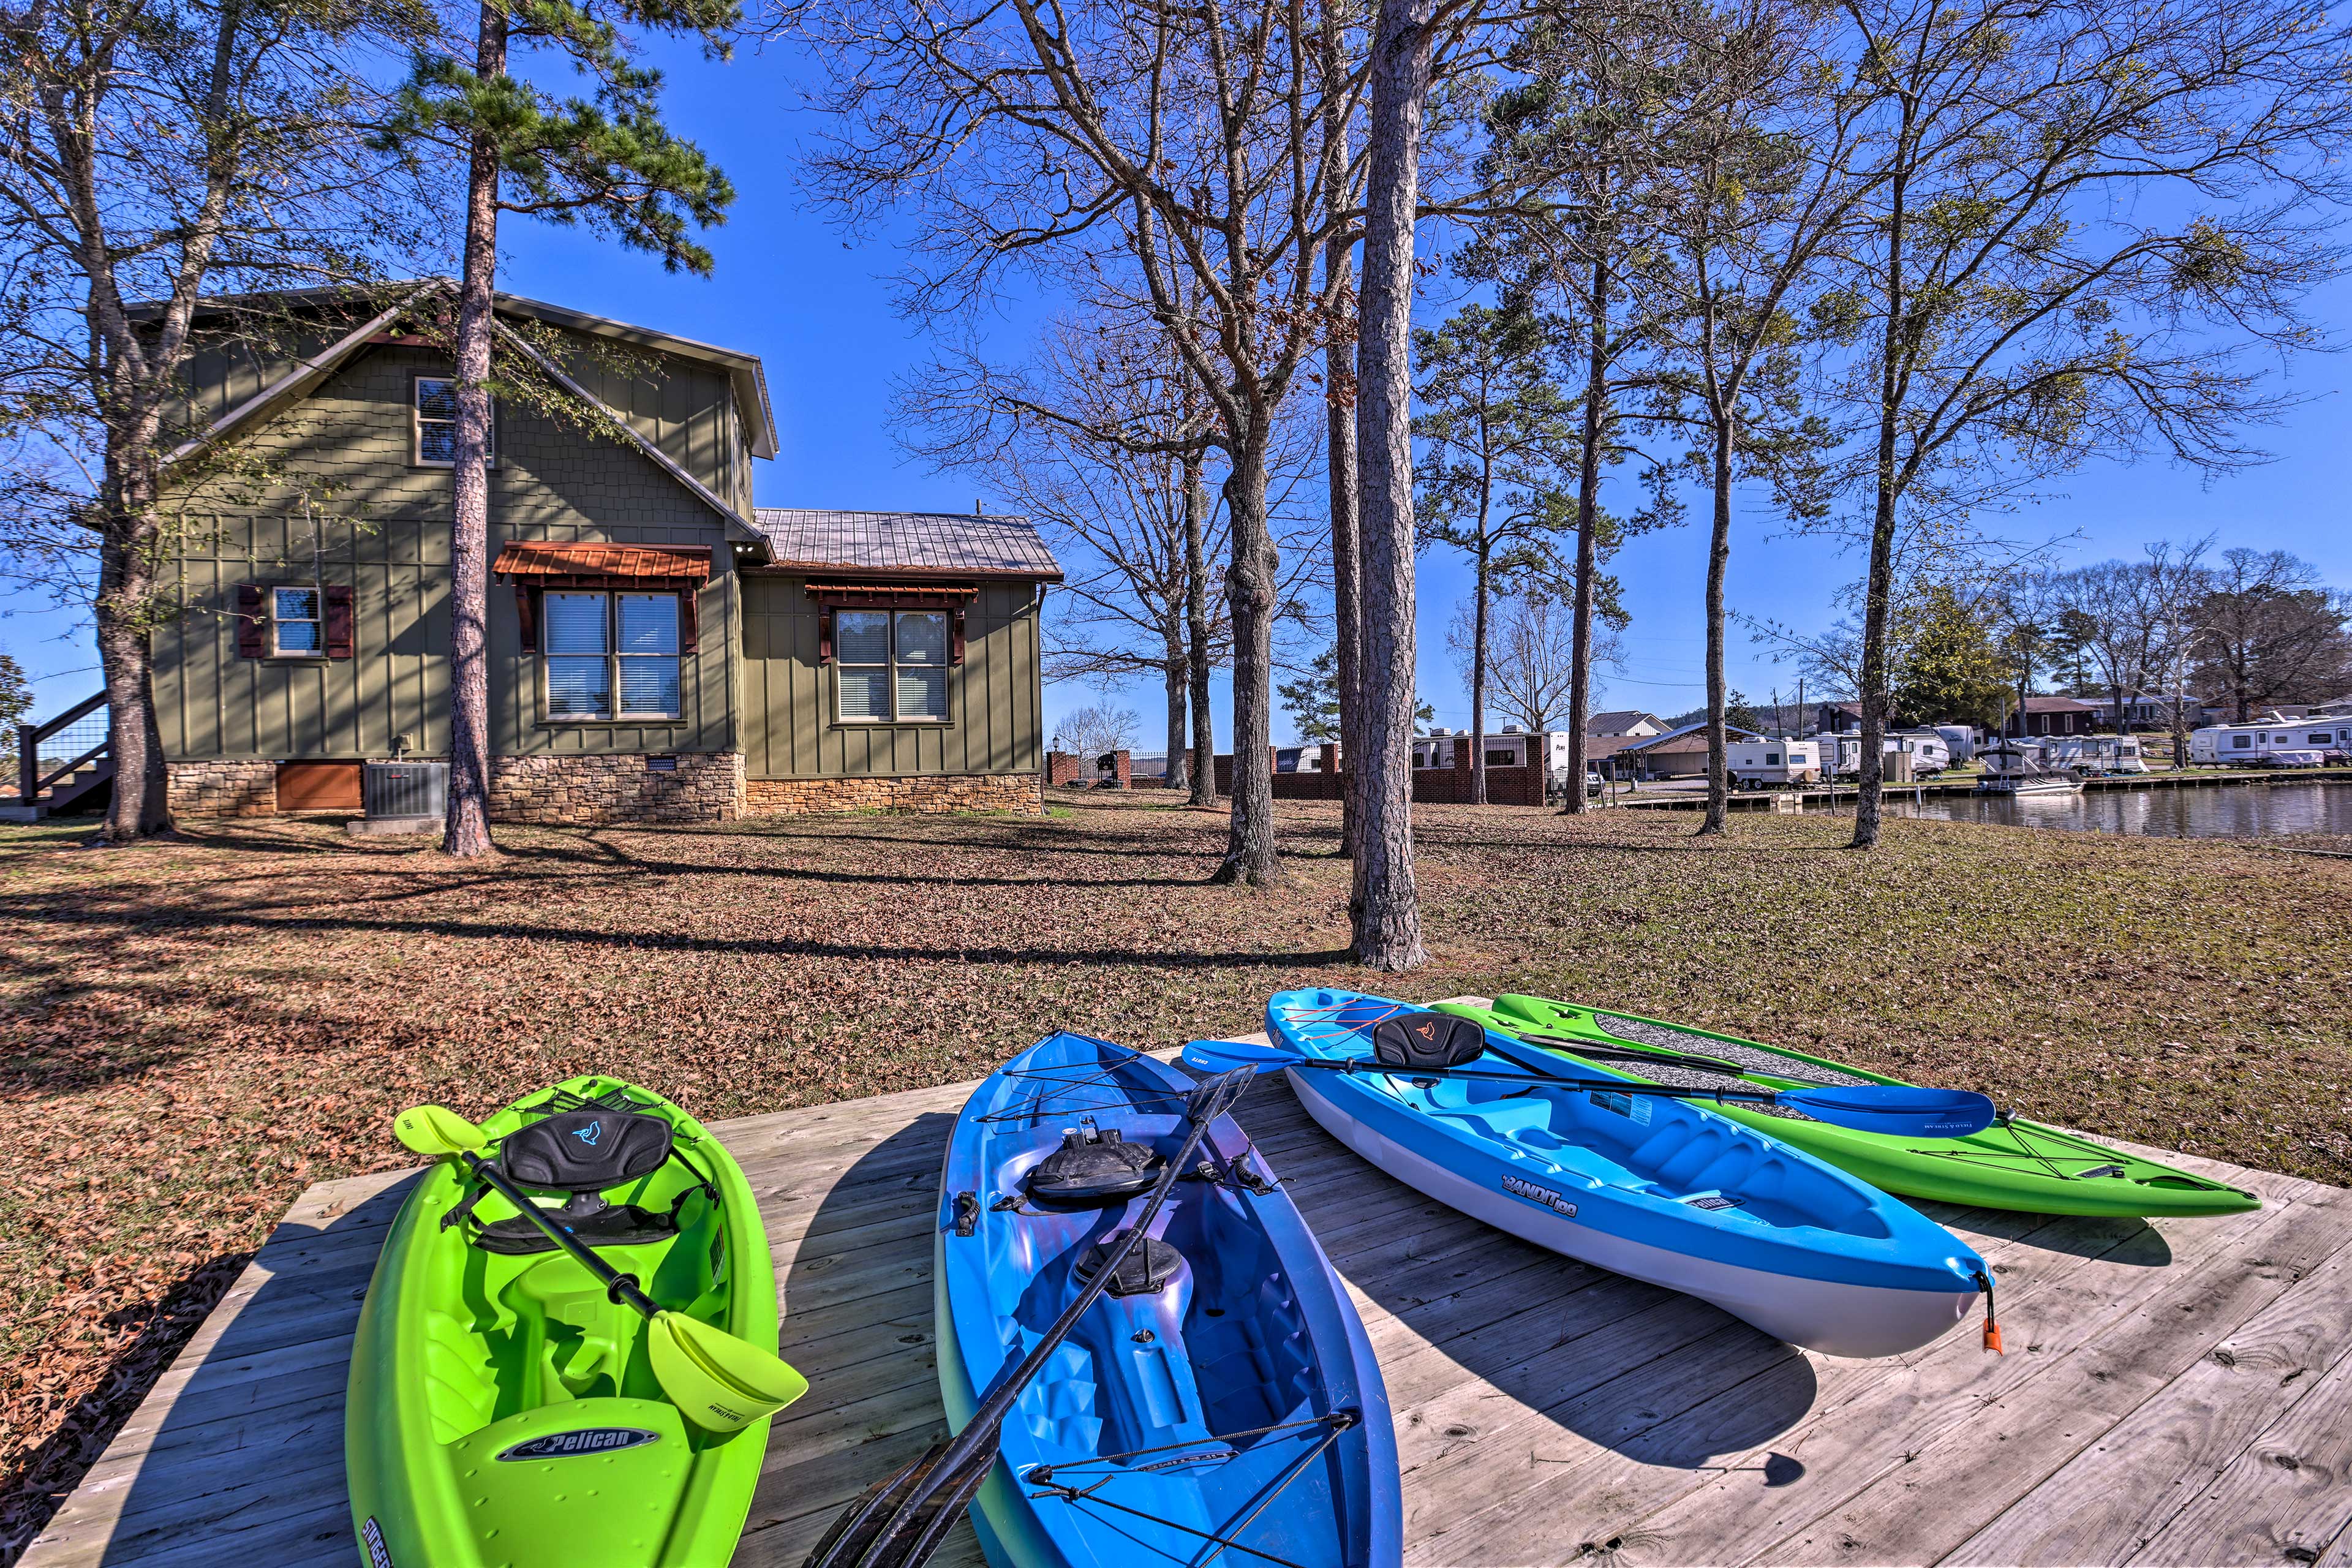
(318, 786)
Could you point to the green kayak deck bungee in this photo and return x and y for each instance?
(503, 1411)
(2012, 1164)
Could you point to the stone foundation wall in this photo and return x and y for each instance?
(589, 791)
(221, 789)
(926, 793)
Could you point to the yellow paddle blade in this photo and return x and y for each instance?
(437, 1130)
(717, 1381)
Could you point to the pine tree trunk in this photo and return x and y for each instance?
(1250, 591)
(1719, 560)
(1479, 590)
(128, 550)
(1386, 908)
(1588, 539)
(467, 830)
(1340, 424)
(1196, 632)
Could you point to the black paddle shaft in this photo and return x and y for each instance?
(1547, 1081)
(929, 1492)
(620, 1287)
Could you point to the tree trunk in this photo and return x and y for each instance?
(1340, 426)
(1386, 908)
(1250, 591)
(1719, 560)
(1196, 633)
(1588, 542)
(467, 830)
(1878, 588)
(1173, 677)
(1478, 593)
(126, 592)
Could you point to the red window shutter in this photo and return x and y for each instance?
(689, 626)
(526, 616)
(339, 620)
(824, 635)
(955, 636)
(252, 636)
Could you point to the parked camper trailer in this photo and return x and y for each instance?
(1841, 755)
(2251, 745)
(1959, 741)
(2094, 756)
(1930, 753)
(1766, 764)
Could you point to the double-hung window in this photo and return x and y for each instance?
(890, 666)
(612, 656)
(297, 624)
(435, 398)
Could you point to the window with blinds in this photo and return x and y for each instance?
(890, 666)
(611, 656)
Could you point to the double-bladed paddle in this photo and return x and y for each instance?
(901, 1519)
(718, 1381)
(1902, 1109)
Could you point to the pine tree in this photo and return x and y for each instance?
(608, 162)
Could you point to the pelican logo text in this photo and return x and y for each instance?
(1426, 1031)
(590, 1133)
(1539, 1195)
(588, 1440)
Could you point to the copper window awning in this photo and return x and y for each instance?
(547, 565)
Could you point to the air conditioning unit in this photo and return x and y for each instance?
(402, 797)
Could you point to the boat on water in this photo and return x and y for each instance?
(2020, 769)
(1656, 1188)
(1218, 1400)
(504, 1410)
(2013, 1165)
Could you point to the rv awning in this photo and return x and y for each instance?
(541, 565)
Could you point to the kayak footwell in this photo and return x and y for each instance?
(1537, 1400)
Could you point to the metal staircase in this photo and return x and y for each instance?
(64, 764)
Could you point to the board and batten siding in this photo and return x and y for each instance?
(381, 525)
(790, 730)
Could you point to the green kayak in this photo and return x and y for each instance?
(503, 1412)
(2012, 1164)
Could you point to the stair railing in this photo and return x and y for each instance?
(33, 775)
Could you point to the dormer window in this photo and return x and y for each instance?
(435, 402)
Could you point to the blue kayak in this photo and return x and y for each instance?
(1656, 1188)
(1222, 1389)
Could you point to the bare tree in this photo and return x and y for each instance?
(2064, 198)
(1165, 164)
(1531, 654)
(2269, 630)
(151, 154)
(2133, 616)
(1097, 728)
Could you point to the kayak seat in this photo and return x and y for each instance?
(578, 1153)
(1428, 1040)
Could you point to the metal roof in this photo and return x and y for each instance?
(916, 542)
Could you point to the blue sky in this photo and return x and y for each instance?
(815, 304)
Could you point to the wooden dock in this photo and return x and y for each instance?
(2176, 1394)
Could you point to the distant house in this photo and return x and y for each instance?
(1676, 754)
(658, 648)
(2053, 716)
(1628, 722)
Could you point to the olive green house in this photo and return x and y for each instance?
(660, 647)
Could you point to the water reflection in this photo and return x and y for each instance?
(2228, 811)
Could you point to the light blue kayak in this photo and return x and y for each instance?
(1219, 1401)
(1656, 1188)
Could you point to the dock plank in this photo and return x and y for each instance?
(1546, 1411)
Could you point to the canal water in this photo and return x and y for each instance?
(2222, 811)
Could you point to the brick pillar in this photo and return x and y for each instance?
(1061, 768)
(1462, 769)
(1122, 768)
(1330, 786)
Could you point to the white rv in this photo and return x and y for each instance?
(2093, 755)
(1959, 741)
(1765, 764)
(1930, 753)
(2252, 745)
(1841, 755)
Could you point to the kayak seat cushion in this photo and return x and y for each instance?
(584, 1151)
(1428, 1040)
